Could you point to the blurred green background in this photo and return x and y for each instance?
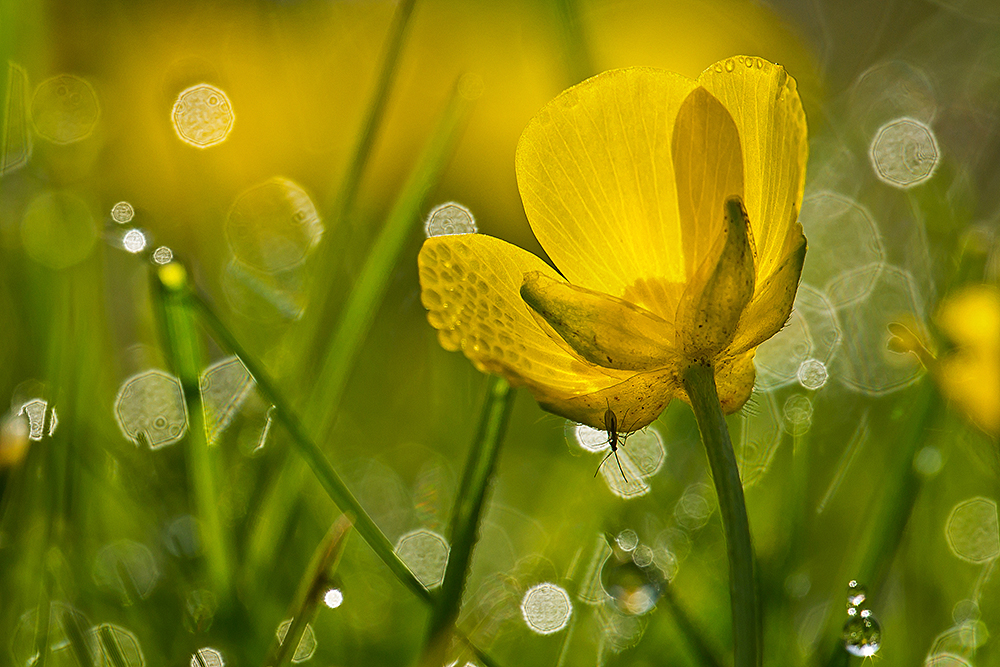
(129, 538)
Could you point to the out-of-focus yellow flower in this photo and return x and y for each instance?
(969, 375)
(670, 208)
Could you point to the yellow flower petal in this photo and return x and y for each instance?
(470, 286)
(707, 321)
(597, 182)
(708, 164)
(969, 375)
(764, 103)
(771, 306)
(636, 401)
(602, 329)
(734, 378)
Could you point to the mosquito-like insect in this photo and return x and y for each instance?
(611, 426)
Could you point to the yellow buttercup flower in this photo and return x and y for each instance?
(969, 374)
(669, 207)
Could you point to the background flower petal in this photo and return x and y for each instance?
(764, 103)
(597, 182)
(470, 286)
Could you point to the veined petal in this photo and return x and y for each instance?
(470, 286)
(708, 165)
(597, 182)
(764, 103)
(636, 401)
(707, 320)
(602, 329)
(772, 303)
(734, 378)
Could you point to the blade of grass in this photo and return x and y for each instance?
(183, 349)
(912, 419)
(343, 205)
(371, 284)
(313, 455)
(468, 511)
(317, 576)
(319, 464)
(580, 64)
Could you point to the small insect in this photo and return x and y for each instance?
(611, 426)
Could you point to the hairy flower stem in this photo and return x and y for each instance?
(699, 382)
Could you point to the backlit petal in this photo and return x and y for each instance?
(707, 322)
(597, 182)
(772, 304)
(764, 103)
(470, 286)
(708, 165)
(602, 329)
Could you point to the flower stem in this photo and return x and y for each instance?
(699, 382)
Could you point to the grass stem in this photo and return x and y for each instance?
(467, 514)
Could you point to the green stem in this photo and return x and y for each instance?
(466, 516)
(699, 382)
(311, 587)
(341, 349)
(184, 353)
(313, 455)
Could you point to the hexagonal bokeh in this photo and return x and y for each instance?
(425, 553)
(150, 406)
(224, 386)
(202, 116)
(812, 332)
(904, 153)
(866, 364)
(307, 643)
(972, 530)
(112, 644)
(273, 226)
(845, 247)
(759, 437)
(546, 608)
(64, 109)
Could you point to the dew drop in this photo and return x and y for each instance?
(134, 241)
(163, 255)
(627, 540)
(862, 634)
(730, 65)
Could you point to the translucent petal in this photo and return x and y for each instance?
(708, 165)
(764, 103)
(772, 304)
(734, 378)
(637, 401)
(602, 329)
(470, 286)
(597, 182)
(708, 321)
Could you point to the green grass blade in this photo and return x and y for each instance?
(313, 455)
(183, 349)
(340, 212)
(310, 589)
(370, 286)
(468, 510)
(899, 495)
(579, 62)
(375, 112)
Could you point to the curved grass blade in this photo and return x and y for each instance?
(371, 284)
(307, 596)
(183, 350)
(468, 511)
